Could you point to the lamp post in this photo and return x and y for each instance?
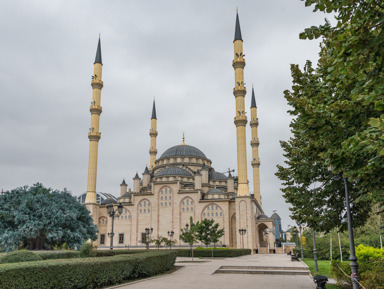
(315, 251)
(301, 243)
(170, 235)
(352, 256)
(242, 232)
(296, 232)
(112, 213)
(148, 232)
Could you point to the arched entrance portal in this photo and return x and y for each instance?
(233, 239)
(263, 232)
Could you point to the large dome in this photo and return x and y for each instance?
(173, 171)
(183, 151)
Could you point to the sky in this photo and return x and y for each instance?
(179, 52)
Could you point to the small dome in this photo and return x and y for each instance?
(262, 217)
(215, 191)
(216, 176)
(183, 150)
(109, 201)
(275, 216)
(173, 171)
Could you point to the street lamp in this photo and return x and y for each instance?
(352, 256)
(148, 232)
(170, 235)
(242, 232)
(295, 231)
(112, 213)
(315, 251)
(301, 243)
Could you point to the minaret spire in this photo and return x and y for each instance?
(153, 135)
(254, 123)
(94, 133)
(240, 119)
(237, 28)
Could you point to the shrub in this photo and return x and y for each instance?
(342, 280)
(374, 278)
(61, 254)
(84, 272)
(86, 250)
(217, 253)
(20, 256)
(106, 253)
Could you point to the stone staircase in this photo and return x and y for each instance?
(262, 270)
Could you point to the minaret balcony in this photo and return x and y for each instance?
(240, 120)
(95, 109)
(255, 142)
(93, 135)
(153, 133)
(238, 63)
(255, 163)
(152, 151)
(97, 84)
(254, 122)
(239, 91)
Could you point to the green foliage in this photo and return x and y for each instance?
(207, 232)
(108, 253)
(40, 217)
(366, 254)
(169, 243)
(217, 252)
(20, 256)
(61, 254)
(85, 272)
(215, 248)
(374, 278)
(324, 267)
(343, 280)
(86, 250)
(338, 119)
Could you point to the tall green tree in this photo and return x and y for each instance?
(337, 111)
(40, 218)
(188, 235)
(208, 232)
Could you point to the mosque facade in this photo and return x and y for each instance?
(182, 182)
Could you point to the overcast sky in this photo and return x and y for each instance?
(178, 51)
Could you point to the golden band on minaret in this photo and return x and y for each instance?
(94, 131)
(254, 123)
(240, 119)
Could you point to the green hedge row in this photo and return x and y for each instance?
(85, 272)
(216, 252)
(62, 254)
(106, 253)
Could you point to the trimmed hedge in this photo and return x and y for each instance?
(216, 252)
(85, 272)
(107, 253)
(19, 256)
(62, 254)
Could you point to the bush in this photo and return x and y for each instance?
(86, 250)
(216, 252)
(342, 280)
(61, 254)
(374, 278)
(20, 256)
(85, 272)
(107, 253)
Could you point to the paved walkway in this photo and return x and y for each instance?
(201, 275)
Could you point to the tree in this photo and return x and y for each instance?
(188, 235)
(338, 118)
(159, 241)
(37, 217)
(208, 232)
(169, 243)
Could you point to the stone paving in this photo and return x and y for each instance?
(201, 275)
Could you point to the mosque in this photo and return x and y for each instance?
(182, 182)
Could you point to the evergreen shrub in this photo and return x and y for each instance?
(85, 272)
(216, 252)
(61, 254)
(342, 280)
(86, 250)
(19, 256)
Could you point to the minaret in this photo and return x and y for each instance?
(94, 133)
(240, 119)
(153, 134)
(254, 123)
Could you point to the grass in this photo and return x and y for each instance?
(324, 267)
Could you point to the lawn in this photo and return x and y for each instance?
(324, 267)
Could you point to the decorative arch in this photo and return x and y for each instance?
(165, 202)
(165, 197)
(143, 218)
(214, 211)
(233, 236)
(103, 221)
